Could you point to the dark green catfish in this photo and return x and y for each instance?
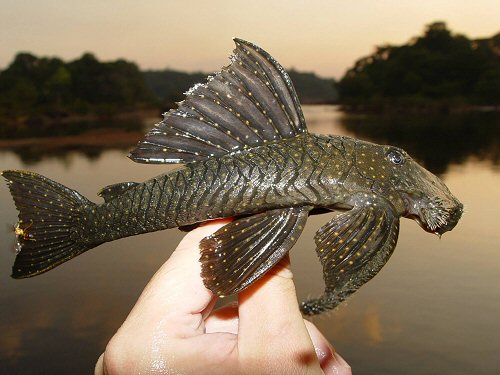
(247, 154)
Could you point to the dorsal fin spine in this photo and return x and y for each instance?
(248, 103)
(291, 90)
(276, 110)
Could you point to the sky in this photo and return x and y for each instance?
(325, 37)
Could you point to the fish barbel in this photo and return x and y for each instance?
(247, 154)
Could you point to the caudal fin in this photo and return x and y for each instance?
(47, 229)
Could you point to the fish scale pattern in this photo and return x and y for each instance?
(247, 153)
(301, 171)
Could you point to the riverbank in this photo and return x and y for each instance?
(98, 138)
(45, 126)
(409, 107)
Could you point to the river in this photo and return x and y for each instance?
(433, 309)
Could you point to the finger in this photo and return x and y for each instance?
(177, 290)
(99, 366)
(269, 313)
(168, 317)
(341, 365)
(330, 361)
(224, 319)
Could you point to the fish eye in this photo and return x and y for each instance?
(395, 157)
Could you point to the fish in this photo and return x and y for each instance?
(244, 152)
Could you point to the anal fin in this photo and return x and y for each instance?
(243, 250)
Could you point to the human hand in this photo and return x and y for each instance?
(173, 328)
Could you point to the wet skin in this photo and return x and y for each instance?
(247, 154)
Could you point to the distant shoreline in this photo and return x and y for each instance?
(113, 138)
(69, 118)
(121, 136)
(70, 126)
(430, 108)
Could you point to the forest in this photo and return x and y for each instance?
(436, 71)
(439, 71)
(40, 90)
(39, 85)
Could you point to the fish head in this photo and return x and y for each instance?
(415, 192)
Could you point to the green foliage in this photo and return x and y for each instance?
(312, 89)
(116, 85)
(33, 86)
(436, 68)
(46, 96)
(39, 90)
(487, 89)
(170, 85)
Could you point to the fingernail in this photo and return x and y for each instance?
(340, 360)
(332, 363)
(340, 365)
(323, 355)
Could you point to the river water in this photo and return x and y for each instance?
(433, 309)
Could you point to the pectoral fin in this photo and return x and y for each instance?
(353, 248)
(243, 250)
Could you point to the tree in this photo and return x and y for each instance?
(435, 67)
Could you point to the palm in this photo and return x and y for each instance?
(173, 328)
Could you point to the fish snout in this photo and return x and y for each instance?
(434, 215)
(454, 215)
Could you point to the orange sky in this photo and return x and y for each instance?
(321, 36)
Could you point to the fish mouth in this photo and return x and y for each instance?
(436, 217)
(420, 222)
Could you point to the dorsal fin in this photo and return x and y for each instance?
(112, 191)
(249, 102)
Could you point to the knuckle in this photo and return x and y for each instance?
(117, 357)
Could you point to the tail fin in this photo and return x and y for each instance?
(47, 228)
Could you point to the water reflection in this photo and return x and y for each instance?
(373, 325)
(31, 156)
(91, 145)
(436, 140)
(433, 302)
